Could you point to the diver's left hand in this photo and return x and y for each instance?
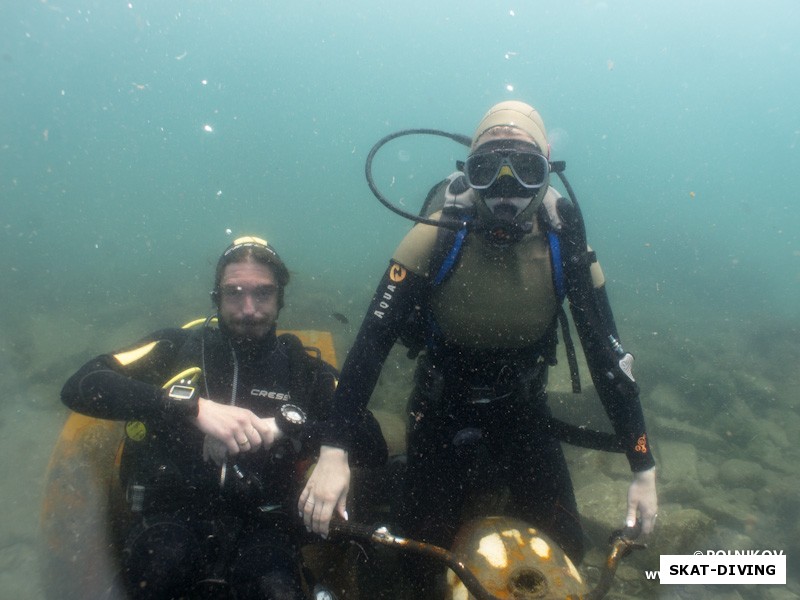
(217, 450)
(642, 500)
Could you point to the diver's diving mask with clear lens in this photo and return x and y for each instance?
(530, 169)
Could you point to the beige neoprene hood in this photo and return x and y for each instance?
(513, 113)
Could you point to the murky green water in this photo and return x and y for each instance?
(137, 138)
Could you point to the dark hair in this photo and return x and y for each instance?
(257, 250)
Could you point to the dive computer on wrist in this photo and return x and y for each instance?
(290, 419)
(182, 398)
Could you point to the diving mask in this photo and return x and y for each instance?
(530, 169)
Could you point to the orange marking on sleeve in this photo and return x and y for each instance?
(397, 273)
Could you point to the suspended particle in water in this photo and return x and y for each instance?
(512, 13)
(208, 128)
(219, 193)
(558, 138)
(509, 88)
(228, 231)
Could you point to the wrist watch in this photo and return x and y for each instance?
(182, 398)
(290, 419)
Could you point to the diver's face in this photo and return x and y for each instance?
(248, 300)
(506, 197)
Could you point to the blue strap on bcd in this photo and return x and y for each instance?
(558, 268)
(452, 256)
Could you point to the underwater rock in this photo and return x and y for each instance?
(781, 497)
(732, 509)
(781, 593)
(613, 465)
(679, 461)
(679, 430)
(707, 470)
(681, 491)
(602, 506)
(679, 530)
(737, 473)
(756, 388)
(737, 424)
(670, 402)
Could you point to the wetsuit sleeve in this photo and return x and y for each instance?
(127, 384)
(369, 446)
(393, 304)
(608, 363)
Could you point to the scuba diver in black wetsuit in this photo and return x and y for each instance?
(486, 303)
(218, 421)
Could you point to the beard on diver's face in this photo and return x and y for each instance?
(248, 328)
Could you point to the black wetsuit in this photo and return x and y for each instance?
(192, 526)
(478, 417)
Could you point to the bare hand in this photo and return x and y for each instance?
(325, 491)
(217, 450)
(642, 500)
(237, 429)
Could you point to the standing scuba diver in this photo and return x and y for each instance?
(480, 282)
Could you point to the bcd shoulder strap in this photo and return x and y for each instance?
(559, 285)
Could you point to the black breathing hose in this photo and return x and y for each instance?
(461, 139)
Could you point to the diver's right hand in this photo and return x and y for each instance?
(233, 426)
(325, 491)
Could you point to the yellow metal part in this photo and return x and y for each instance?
(79, 514)
(513, 561)
(321, 340)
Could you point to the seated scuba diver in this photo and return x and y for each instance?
(486, 304)
(219, 420)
